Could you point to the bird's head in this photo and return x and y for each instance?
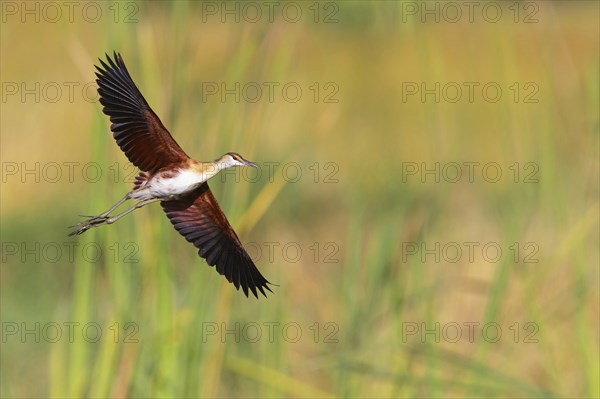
(234, 159)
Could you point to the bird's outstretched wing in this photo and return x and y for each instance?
(136, 128)
(198, 217)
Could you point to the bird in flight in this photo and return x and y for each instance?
(169, 175)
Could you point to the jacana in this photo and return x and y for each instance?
(169, 175)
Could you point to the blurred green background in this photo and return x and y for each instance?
(373, 298)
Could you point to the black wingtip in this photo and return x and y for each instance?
(254, 289)
(106, 56)
(263, 286)
(116, 57)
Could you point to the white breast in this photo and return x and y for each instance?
(164, 187)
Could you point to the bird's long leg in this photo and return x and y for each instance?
(108, 211)
(102, 220)
(113, 219)
(115, 206)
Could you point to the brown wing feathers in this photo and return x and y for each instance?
(138, 131)
(198, 217)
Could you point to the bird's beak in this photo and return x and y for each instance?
(248, 163)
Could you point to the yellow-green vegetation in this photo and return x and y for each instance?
(380, 220)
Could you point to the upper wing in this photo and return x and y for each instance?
(198, 217)
(138, 131)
